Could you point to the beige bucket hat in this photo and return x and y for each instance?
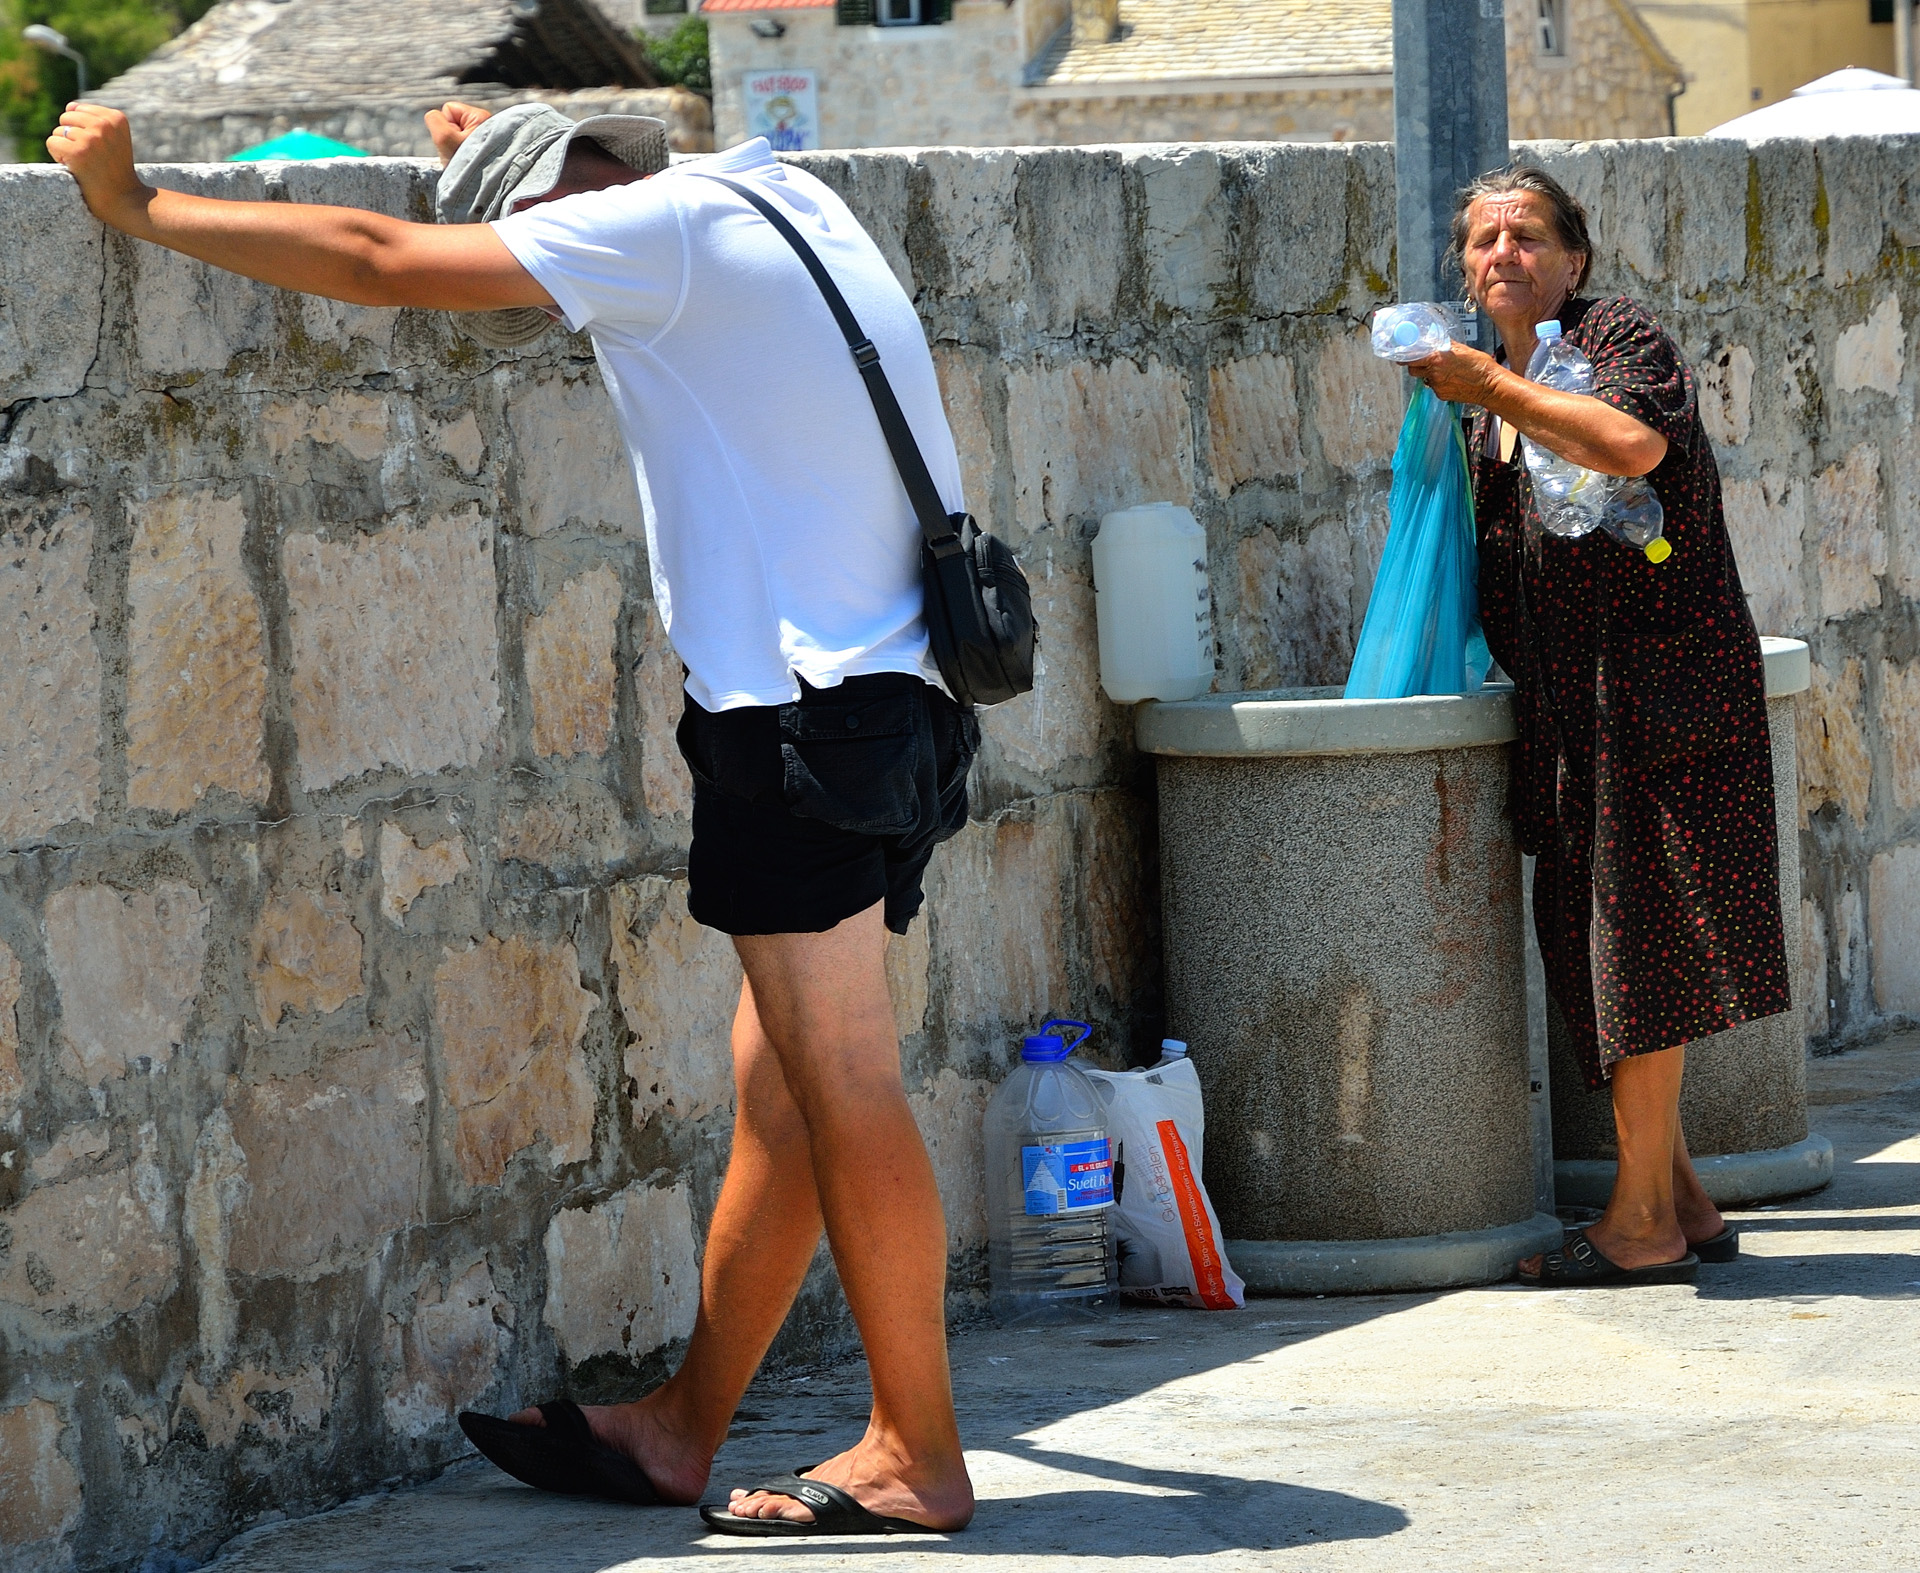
(516, 156)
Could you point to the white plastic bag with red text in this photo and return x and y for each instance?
(1167, 1234)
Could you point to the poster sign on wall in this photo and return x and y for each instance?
(783, 107)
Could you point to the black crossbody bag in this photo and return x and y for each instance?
(979, 609)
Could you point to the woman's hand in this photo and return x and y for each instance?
(1459, 374)
(1576, 426)
(95, 146)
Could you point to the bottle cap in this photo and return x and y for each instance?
(1043, 1048)
(1547, 330)
(1174, 1047)
(1405, 333)
(1659, 549)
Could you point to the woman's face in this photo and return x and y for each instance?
(1516, 267)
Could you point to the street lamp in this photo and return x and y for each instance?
(55, 43)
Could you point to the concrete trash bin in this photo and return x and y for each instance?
(1744, 1100)
(1340, 888)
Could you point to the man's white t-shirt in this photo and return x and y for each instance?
(781, 538)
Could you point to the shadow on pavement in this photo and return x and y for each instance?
(1165, 1512)
(1869, 1195)
(1038, 1497)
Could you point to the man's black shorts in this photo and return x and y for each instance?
(807, 813)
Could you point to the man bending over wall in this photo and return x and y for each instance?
(827, 758)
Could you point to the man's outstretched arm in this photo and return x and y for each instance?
(343, 253)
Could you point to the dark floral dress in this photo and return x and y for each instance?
(1642, 780)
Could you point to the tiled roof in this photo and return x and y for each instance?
(1173, 40)
(255, 56)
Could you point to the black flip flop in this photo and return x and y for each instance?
(1578, 1264)
(562, 1456)
(1723, 1247)
(835, 1512)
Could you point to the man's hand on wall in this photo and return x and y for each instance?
(96, 146)
(451, 124)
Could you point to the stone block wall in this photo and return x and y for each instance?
(358, 1058)
(1358, 108)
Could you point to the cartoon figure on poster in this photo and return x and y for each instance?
(782, 106)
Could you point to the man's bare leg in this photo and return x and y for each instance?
(822, 999)
(747, 1281)
(753, 1268)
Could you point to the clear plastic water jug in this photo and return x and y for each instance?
(1152, 604)
(1049, 1187)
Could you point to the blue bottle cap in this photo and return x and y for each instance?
(1547, 330)
(1043, 1048)
(1173, 1046)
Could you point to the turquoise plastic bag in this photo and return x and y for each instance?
(1422, 631)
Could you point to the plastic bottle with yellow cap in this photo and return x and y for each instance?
(1633, 515)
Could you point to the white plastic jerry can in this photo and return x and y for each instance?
(1152, 604)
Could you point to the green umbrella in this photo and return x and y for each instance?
(299, 145)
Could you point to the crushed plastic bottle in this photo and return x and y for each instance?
(1413, 331)
(1568, 497)
(1049, 1187)
(1571, 500)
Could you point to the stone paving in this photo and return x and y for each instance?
(1763, 1419)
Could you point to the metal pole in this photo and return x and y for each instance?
(1449, 123)
(1903, 40)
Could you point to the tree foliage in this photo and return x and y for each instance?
(680, 57)
(112, 34)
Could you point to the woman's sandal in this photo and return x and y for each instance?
(1723, 1247)
(563, 1455)
(1578, 1264)
(835, 1512)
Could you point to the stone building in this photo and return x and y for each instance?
(1741, 55)
(1057, 72)
(1585, 69)
(364, 72)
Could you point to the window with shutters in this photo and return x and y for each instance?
(1549, 30)
(892, 13)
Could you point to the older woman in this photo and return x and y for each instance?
(1642, 780)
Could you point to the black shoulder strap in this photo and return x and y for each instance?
(907, 459)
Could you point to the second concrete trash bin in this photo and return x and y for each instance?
(1343, 949)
